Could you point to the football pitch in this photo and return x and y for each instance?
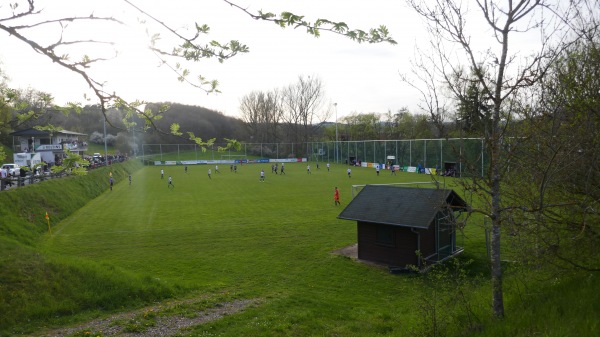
(232, 234)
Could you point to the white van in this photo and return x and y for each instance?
(12, 169)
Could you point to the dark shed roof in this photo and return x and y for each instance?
(400, 206)
(46, 133)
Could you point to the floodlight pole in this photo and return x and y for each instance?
(336, 134)
(105, 147)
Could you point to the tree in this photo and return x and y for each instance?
(430, 88)
(21, 17)
(412, 126)
(394, 124)
(473, 113)
(389, 124)
(19, 107)
(501, 76)
(304, 108)
(401, 125)
(562, 158)
(363, 126)
(262, 113)
(72, 163)
(5, 111)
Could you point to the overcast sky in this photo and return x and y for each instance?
(360, 78)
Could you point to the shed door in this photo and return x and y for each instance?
(446, 244)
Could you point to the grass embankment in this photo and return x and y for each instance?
(234, 237)
(37, 287)
(99, 148)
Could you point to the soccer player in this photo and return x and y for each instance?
(349, 172)
(308, 169)
(185, 168)
(282, 172)
(217, 169)
(377, 169)
(170, 184)
(111, 183)
(336, 196)
(328, 167)
(162, 173)
(262, 176)
(209, 174)
(130, 179)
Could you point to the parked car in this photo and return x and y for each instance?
(13, 169)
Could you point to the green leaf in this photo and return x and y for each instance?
(175, 129)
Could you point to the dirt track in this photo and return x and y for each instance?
(164, 325)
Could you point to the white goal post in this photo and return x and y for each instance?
(233, 156)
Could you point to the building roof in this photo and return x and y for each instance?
(400, 206)
(43, 133)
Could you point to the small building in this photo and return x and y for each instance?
(401, 227)
(50, 144)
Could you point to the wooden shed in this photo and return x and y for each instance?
(400, 226)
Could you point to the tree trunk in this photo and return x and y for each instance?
(497, 295)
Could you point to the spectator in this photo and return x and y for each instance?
(4, 177)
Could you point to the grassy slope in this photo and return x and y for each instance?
(36, 287)
(235, 236)
(93, 148)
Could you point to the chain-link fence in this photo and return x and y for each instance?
(464, 154)
(179, 152)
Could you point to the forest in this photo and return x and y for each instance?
(265, 126)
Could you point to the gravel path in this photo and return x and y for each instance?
(165, 325)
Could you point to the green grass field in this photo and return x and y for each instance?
(233, 234)
(234, 237)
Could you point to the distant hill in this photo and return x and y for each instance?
(203, 122)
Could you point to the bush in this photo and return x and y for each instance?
(98, 138)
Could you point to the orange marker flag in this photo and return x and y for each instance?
(48, 219)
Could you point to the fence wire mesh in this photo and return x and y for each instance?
(466, 154)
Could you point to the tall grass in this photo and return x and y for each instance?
(567, 305)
